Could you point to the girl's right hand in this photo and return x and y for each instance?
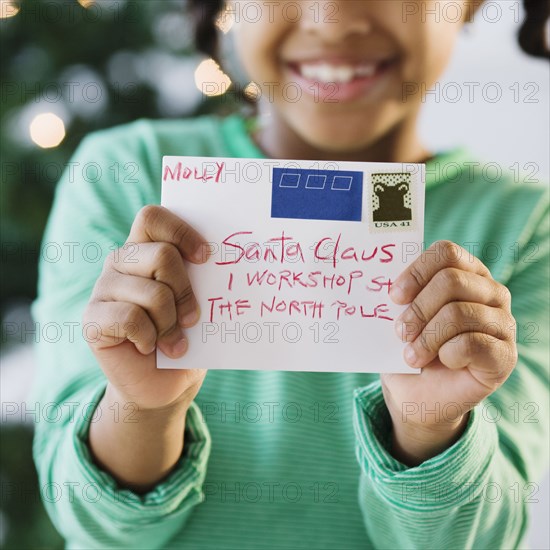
(143, 299)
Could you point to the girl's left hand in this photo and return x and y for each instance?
(461, 331)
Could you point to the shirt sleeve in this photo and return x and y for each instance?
(474, 494)
(107, 181)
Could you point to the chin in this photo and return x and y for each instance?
(336, 140)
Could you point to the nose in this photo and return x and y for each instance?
(335, 21)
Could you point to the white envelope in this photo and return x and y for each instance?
(302, 257)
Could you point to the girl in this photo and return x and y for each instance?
(148, 458)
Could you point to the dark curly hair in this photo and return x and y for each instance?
(204, 13)
(531, 36)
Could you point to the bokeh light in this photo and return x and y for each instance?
(252, 91)
(210, 79)
(47, 130)
(225, 20)
(8, 9)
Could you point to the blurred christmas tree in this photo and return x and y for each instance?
(67, 68)
(86, 64)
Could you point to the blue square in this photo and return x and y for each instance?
(316, 181)
(290, 179)
(342, 183)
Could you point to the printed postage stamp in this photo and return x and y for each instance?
(392, 202)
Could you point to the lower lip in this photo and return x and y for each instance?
(333, 92)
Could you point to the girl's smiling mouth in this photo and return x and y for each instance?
(337, 78)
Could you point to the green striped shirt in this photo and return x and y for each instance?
(289, 459)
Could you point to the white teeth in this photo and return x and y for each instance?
(344, 74)
(330, 73)
(309, 71)
(366, 70)
(326, 73)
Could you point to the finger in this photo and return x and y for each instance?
(491, 360)
(108, 324)
(116, 322)
(155, 298)
(158, 224)
(457, 318)
(438, 256)
(449, 285)
(161, 262)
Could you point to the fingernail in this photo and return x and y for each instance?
(399, 328)
(190, 319)
(200, 255)
(410, 355)
(397, 294)
(180, 347)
